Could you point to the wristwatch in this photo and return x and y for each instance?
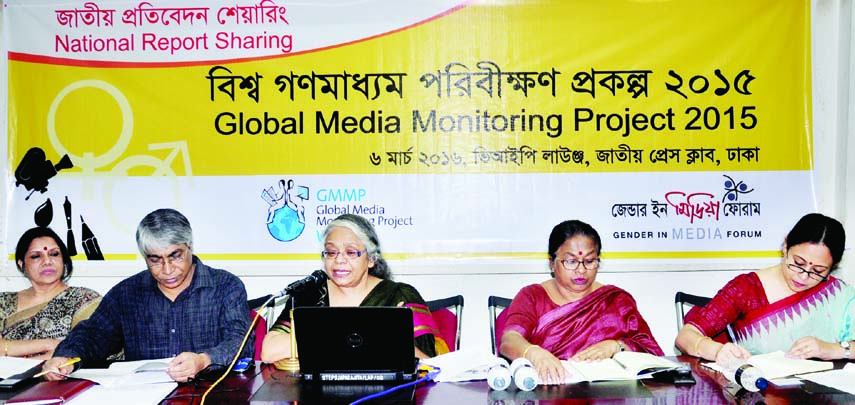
(846, 353)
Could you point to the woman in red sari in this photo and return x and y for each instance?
(572, 316)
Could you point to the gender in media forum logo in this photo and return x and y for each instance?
(286, 214)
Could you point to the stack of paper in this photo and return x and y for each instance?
(130, 395)
(463, 365)
(843, 379)
(777, 365)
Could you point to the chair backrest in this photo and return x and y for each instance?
(260, 332)
(496, 306)
(448, 315)
(255, 306)
(684, 302)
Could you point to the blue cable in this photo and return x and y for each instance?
(428, 377)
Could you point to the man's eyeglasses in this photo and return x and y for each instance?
(350, 254)
(812, 274)
(157, 262)
(587, 264)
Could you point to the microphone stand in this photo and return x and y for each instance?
(292, 363)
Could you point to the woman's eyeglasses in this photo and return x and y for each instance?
(811, 274)
(587, 264)
(350, 254)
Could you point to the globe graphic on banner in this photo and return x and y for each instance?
(286, 225)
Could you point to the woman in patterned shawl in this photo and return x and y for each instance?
(795, 306)
(357, 275)
(32, 321)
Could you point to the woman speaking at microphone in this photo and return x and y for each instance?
(357, 275)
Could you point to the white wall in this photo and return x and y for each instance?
(652, 283)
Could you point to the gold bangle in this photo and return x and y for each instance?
(525, 352)
(6, 347)
(698, 343)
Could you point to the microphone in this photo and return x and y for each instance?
(317, 277)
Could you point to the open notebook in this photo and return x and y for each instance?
(355, 344)
(623, 366)
(125, 373)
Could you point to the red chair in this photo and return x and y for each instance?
(255, 306)
(448, 315)
(260, 332)
(498, 317)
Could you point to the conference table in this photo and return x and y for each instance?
(264, 384)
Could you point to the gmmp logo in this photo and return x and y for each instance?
(286, 214)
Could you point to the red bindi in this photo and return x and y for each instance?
(44, 248)
(580, 253)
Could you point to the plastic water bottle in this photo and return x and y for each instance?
(499, 376)
(747, 376)
(738, 395)
(525, 376)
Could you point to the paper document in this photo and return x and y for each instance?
(128, 395)
(125, 373)
(776, 365)
(10, 366)
(623, 366)
(843, 379)
(463, 365)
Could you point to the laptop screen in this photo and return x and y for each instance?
(355, 344)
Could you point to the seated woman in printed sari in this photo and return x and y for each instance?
(33, 321)
(795, 306)
(571, 315)
(357, 275)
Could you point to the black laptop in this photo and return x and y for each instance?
(355, 344)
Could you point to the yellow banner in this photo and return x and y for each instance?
(519, 87)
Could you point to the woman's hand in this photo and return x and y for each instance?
(598, 351)
(275, 346)
(548, 367)
(810, 346)
(730, 354)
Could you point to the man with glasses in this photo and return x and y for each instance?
(179, 307)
